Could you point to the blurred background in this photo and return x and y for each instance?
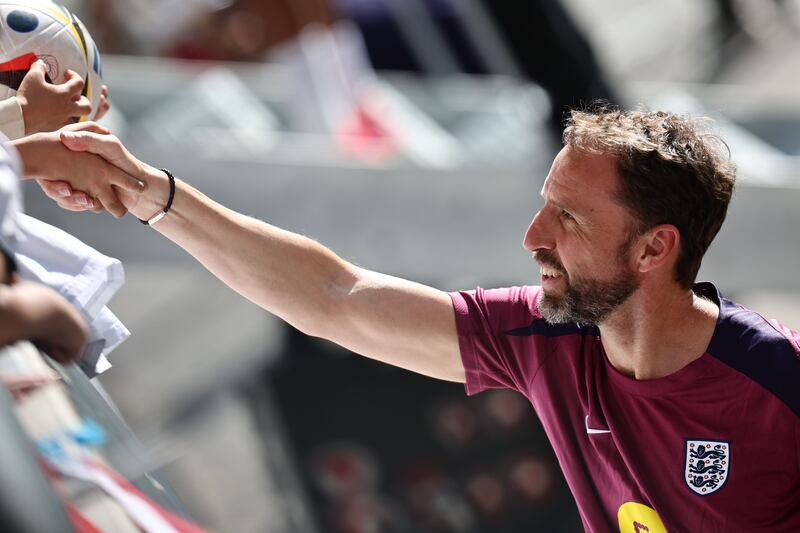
(411, 136)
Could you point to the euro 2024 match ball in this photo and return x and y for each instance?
(31, 30)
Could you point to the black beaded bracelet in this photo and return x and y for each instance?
(161, 214)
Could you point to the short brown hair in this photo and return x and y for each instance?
(672, 170)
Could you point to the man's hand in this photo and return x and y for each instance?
(114, 152)
(46, 106)
(37, 313)
(99, 181)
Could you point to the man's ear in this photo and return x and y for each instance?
(657, 247)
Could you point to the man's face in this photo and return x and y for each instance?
(580, 238)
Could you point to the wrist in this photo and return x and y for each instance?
(32, 163)
(24, 110)
(155, 196)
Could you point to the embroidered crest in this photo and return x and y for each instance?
(706, 465)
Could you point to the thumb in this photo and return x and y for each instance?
(106, 146)
(38, 69)
(87, 126)
(88, 141)
(126, 182)
(75, 140)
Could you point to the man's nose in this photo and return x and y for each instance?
(538, 236)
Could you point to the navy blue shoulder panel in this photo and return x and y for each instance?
(745, 341)
(541, 327)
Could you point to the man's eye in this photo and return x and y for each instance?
(566, 216)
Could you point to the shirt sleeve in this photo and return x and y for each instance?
(10, 194)
(493, 334)
(12, 123)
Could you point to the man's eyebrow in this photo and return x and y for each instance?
(578, 215)
(561, 206)
(571, 210)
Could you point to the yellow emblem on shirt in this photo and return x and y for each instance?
(638, 518)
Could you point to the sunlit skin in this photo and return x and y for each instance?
(580, 229)
(600, 275)
(657, 330)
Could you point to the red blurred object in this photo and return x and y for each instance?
(507, 409)
(343, 469)
(363, 137)
(486, 493)
(455, 424)
(532, 478)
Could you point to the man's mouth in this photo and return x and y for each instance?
(550, 272)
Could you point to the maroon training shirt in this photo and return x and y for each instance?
(713, 447)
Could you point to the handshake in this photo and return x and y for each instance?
(83, 167)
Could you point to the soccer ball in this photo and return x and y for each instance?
(41, 29)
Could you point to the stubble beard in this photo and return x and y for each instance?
(586, 301)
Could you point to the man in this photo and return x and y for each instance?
(669, 407)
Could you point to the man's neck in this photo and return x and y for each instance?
(658, 332)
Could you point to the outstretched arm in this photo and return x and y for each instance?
(386, 318)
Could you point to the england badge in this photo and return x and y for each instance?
(706, 465)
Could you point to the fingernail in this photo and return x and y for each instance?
(81, 201)
(63, 192)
